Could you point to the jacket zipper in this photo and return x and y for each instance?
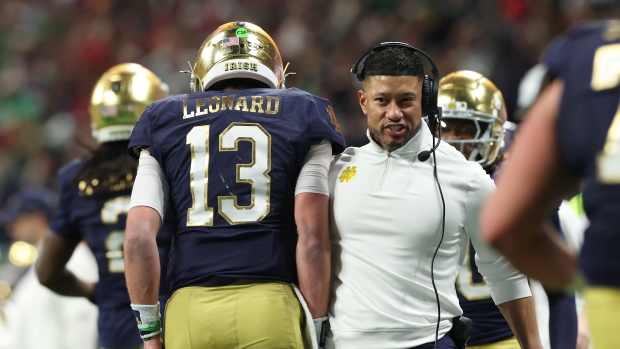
(386, 171)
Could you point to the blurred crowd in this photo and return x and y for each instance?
(52, 52)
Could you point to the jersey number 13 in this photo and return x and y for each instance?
(254, 173)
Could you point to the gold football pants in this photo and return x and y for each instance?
(252, 316)
(510, 343)
(602, 307)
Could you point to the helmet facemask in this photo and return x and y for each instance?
(472, 134)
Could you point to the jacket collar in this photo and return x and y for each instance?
(421, 140)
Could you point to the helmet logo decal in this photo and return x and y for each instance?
(229, 66)
(241, 33)
(109, 110)
(454, 105)
(230, 41)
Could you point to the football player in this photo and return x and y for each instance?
(556, 311)
(94, 200)
(570, 135)
(473, 116)
(244, 162)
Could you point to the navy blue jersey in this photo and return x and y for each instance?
(231, 160)
(587, 60)
(101, 224)
(489, 326)
(562, 308)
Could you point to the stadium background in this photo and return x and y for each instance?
(52, 52)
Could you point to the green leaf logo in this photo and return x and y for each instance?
(241, 33)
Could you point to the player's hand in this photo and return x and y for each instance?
(153, 343)
(583, 333)
(583, 340)
(90, 291)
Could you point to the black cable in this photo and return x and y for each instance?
(443, 230)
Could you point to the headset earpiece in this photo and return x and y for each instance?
(430, 109)
(427, 96)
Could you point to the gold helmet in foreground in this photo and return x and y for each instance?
(473, 113)
(119, 98)
(237, 50)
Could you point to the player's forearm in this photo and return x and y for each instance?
(314, 274)
(54, 253)
(313, 250)
(521, 316)
(67, 284)
(142, 270)
(528, 251)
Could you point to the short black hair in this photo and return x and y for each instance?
(393, 61)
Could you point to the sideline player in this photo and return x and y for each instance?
(473, 115)
(94, 200)
(570, 135)
(231, 155)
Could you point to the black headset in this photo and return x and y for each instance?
(433, 113)
(429, 85)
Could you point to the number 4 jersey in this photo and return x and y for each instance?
(587, 60)
(231, 161)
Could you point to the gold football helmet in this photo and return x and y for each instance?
(119, 98)
(237, 50)
(473, 113)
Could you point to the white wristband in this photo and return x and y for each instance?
(148, 318)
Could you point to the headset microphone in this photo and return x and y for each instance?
(435, 125)
(425, 154)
